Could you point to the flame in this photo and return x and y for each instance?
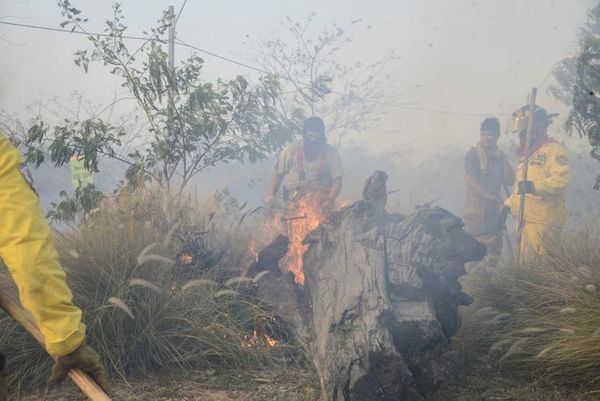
(258, 339)
(270, 342)
(186, 259)
(303, 216)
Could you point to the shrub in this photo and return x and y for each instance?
(146, 310)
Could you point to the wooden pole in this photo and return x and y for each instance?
(511, 253)
(525, 169)
(87, 385)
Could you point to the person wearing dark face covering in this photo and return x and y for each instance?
(486, 171)
(311, 169)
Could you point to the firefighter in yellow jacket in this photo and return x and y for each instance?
(548, 176)
(27, 249)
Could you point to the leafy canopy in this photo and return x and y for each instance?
(578, 85)
(191, 124)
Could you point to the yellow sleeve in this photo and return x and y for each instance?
(558, 172)
(27, 249)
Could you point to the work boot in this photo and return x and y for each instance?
(3, 381)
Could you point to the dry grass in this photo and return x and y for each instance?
(291, 385)
(543, 320)
(483, 381)
(146, 312)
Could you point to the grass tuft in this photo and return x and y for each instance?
(548, 310)
(146, 311)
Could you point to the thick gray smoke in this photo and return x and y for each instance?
(437, 179)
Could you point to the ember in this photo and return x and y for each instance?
(186, 259)
(258, 339)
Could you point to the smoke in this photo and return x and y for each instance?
(438, 178)
(454, 63)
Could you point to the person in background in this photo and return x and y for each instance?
(311, 168)
(487, 172)
(549, 174)
(27, 249)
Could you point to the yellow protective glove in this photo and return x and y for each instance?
(83, 358)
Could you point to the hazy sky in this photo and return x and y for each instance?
(463, 56)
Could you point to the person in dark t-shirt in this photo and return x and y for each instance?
(487, 170)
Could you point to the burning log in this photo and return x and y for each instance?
(380, 298)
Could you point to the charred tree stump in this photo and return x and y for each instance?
(381, 296)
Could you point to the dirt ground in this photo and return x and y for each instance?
(476, 381)
(201, 386)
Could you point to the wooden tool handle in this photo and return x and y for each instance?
(525, 169)
(88, 386)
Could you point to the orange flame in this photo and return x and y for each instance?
(256, 339)
(270, 342)
(186, 259)
(303, 216)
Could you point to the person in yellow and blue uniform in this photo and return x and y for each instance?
(549, 173)
(27, 249)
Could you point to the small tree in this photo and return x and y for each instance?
(192, 124)
(349, 97)
(578, 85)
